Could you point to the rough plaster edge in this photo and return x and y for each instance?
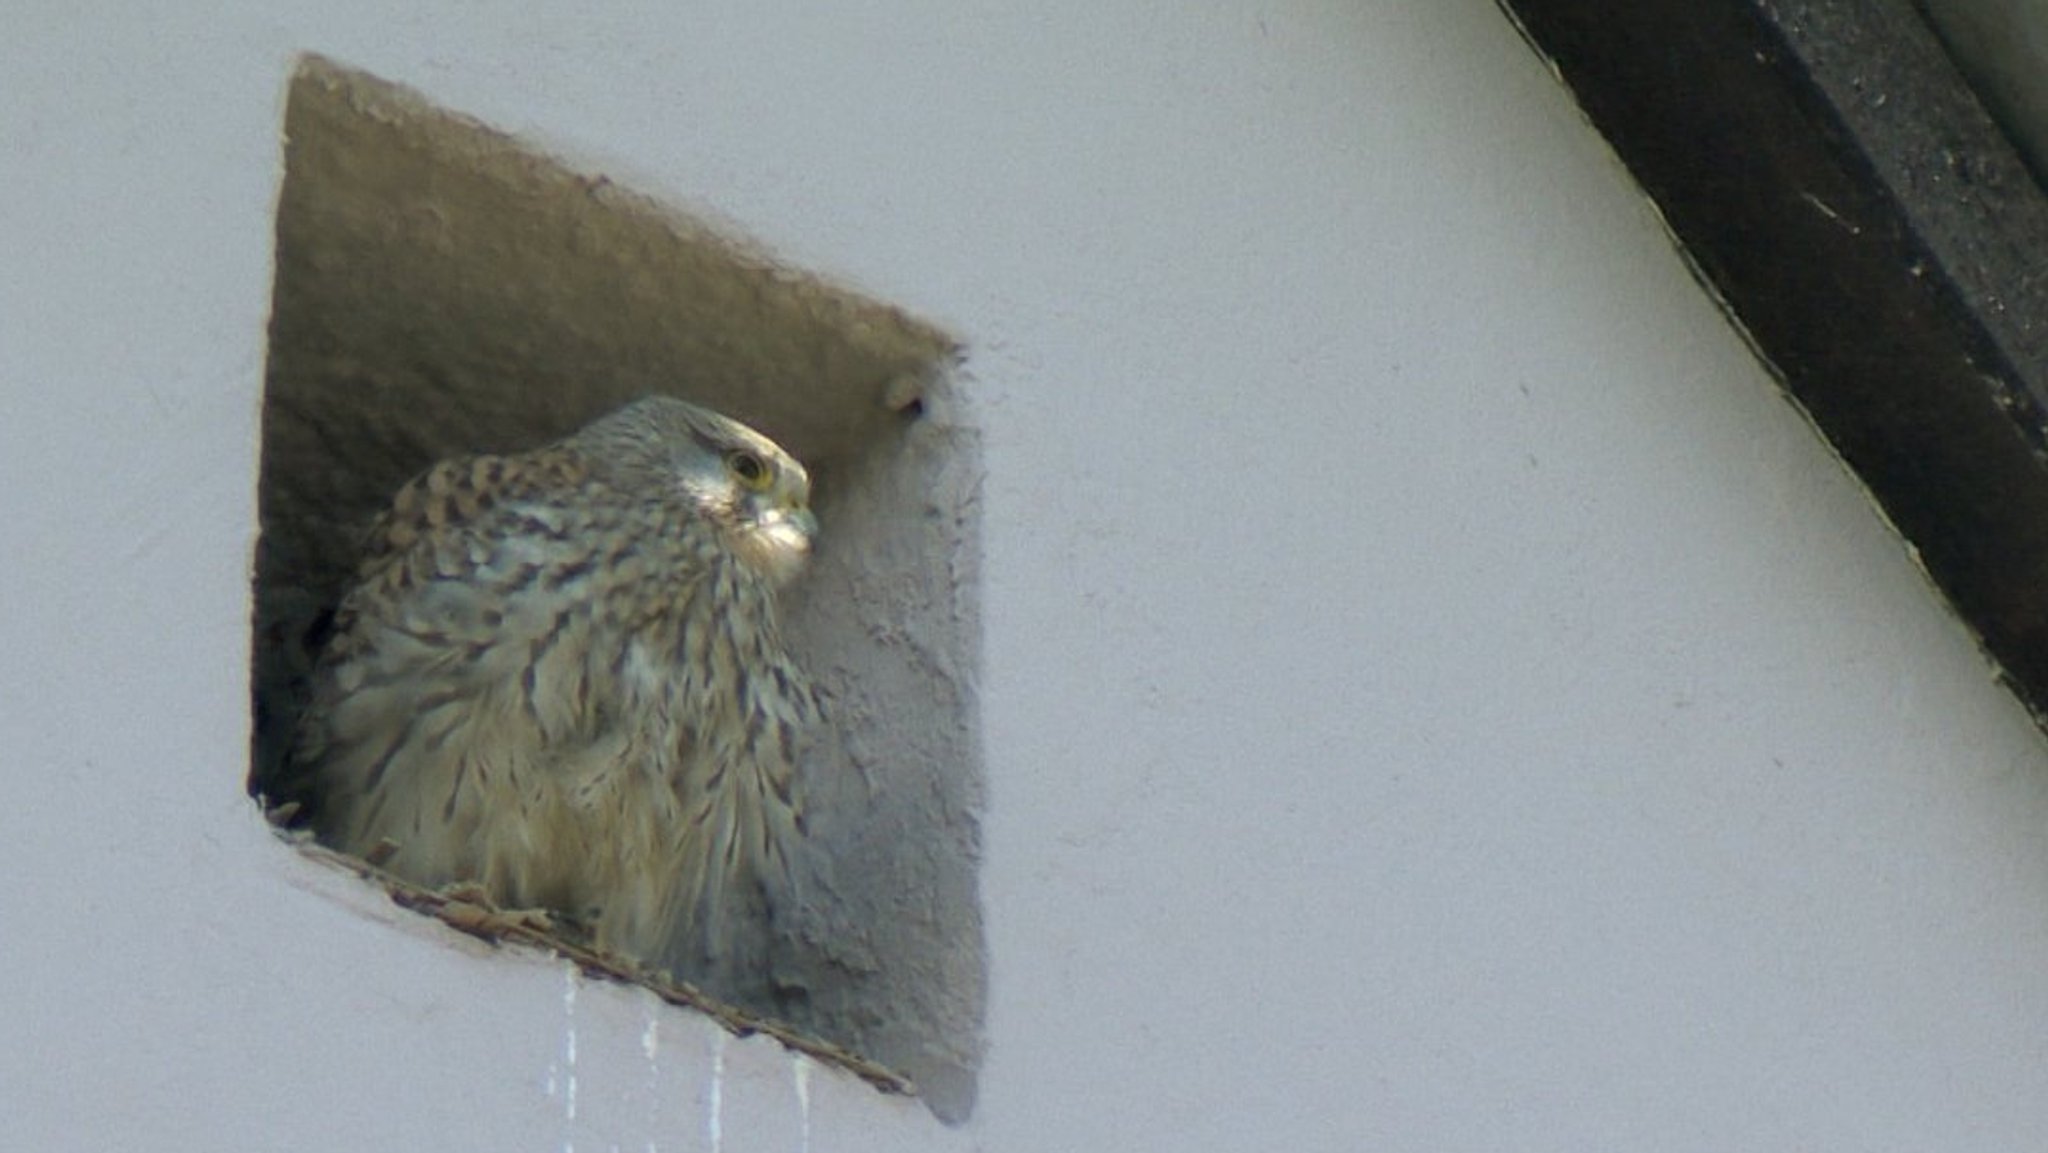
(532, 929)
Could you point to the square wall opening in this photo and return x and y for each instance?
(443, 290)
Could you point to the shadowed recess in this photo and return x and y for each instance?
(442, 289)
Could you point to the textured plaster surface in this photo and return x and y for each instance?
(1435, 694)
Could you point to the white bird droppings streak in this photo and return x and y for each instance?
(801, 1070)
(650, 1044)
(569, 1060)
(714, 1127)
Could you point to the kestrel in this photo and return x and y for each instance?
(560, 676)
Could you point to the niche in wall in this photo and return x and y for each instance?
(443, 290)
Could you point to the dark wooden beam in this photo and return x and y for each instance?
(1832, 179)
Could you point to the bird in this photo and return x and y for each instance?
(560, 676)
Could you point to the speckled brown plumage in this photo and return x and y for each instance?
(560, 676)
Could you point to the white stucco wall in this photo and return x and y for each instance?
(1437, 695)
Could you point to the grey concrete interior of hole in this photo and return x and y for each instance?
(443, 290)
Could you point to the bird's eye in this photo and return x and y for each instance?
(747, 469)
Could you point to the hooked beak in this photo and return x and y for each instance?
(804, 521)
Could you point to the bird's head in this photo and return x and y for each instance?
(742, 482)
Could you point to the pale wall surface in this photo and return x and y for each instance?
(1436, 694)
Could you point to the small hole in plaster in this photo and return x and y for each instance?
(443, 291)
